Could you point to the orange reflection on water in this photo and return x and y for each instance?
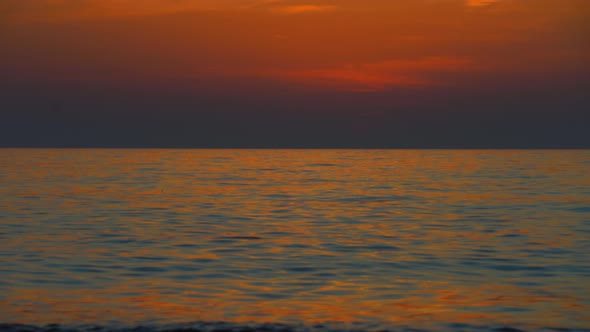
(435, 303)
(313, 236)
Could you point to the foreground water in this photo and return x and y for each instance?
(350, 239)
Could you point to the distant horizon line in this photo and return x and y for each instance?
(280, 148)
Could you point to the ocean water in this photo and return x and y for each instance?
(311, 239)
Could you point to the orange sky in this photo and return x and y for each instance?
(345, 45)
(295, 51)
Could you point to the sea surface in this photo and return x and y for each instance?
(441, 240)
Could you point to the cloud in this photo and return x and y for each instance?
(56, 10)
(300, 9)
(378, 76)
(60, 10)
(479, 3)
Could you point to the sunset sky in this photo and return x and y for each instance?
(293, 73)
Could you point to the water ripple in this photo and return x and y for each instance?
(318, 240)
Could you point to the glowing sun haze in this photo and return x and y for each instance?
(273, 56)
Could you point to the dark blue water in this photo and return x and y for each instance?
(315, 240)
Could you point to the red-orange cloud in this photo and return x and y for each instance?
(300, 9)
(480, 3)
(377, 75)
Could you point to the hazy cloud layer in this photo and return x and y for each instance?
(27, 10)
(301, 9)
(478, 3)
(369, 77)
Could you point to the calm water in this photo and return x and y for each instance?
(412, 238)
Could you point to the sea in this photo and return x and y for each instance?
(294, 240)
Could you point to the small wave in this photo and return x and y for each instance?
(238, 238)
(581, 209)
(272, 327)
(370, 199)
